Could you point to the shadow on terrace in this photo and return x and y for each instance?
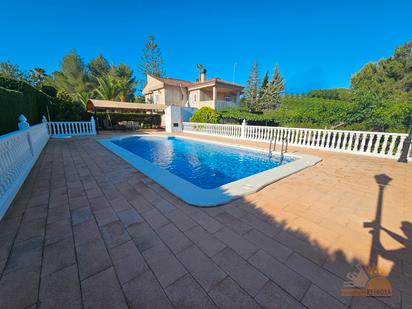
(88, 230)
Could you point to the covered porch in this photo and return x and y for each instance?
(216, 95)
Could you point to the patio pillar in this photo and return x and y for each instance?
(237, 97)
(214, 93)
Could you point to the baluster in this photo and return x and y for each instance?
(350, 142)
(399, 147)
(357, 141)
(362, 147)
(370, 142)
(305, 134)
(324, 139)
(384, 145)
(377, 143)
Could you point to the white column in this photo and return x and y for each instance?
(238, 97)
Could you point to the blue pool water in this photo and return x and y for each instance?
(205, 165)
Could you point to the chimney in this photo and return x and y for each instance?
(203, 75)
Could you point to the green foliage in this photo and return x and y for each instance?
(387, 79)
(271, 93)
(146, 120)
(309, 112)
(331, 94)
(107, 88)
(205, 115)
(77, 81)
(49, 90)
(99, 66)
(10, 70)
(252, 88)
(73, 78)
(37, 76)
(235, 115)
(264, 84)
(18, 97)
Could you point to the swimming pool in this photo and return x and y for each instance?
(204, 173)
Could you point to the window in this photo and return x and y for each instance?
(228, 99)
(156, 98)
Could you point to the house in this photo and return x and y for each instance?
(215, 93)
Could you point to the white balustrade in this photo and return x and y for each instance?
(19, 151)
(60, 129)
(379, 144)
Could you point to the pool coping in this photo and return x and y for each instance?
(197, 196)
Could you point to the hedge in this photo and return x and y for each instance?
(18, 97)
(145, 120)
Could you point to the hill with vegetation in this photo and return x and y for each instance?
(379, 99)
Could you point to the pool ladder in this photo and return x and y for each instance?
(283, 149)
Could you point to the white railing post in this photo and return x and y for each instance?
(24, 125)
(243, 129)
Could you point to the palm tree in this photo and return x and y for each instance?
(127, 88)
(108, 87)
(37, 76)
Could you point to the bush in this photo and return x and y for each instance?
(18, 97)
(145, 120)
(205, 115)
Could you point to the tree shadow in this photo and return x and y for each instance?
(336, 263)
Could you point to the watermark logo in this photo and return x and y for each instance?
(366, 281)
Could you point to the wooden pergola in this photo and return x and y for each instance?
(93, 105)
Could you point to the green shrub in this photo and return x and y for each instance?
(145, 120)
(205, 115)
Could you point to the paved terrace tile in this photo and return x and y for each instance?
(87, 230)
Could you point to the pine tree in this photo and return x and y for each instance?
(264, 84)
(271, 97)
(151, 61)
(252, 88)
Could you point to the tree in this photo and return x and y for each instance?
(252, 87)
(37, 76)
(264, 84)
(108, 87)
(125, 80)
(151, 61)
(73, 77)
(9, 69)
(388, 79)
(99, 66)
(271, 97)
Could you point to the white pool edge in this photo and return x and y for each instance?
(197, 196)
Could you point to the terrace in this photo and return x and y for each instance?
(88, 230)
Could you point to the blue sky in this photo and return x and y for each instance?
(317, 44)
